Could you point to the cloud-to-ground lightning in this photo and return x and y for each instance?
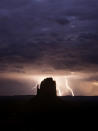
(68, 87)
(59, 92)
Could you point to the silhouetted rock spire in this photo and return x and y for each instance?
(47, 88)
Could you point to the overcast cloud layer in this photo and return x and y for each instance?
(61, 34)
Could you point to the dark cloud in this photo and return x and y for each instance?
(61, 34)
(16, 87)
(62, 21)
(92, 78)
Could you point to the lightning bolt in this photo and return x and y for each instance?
(59, 92)
(68, 87)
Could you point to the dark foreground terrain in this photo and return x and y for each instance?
(24, 111)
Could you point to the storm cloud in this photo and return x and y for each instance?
(60, 34)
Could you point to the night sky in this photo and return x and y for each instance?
(40, 38)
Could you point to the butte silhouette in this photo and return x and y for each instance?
(46, 98)
(47, 88)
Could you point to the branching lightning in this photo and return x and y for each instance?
(68, 87)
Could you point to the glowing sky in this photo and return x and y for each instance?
(41, 38)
